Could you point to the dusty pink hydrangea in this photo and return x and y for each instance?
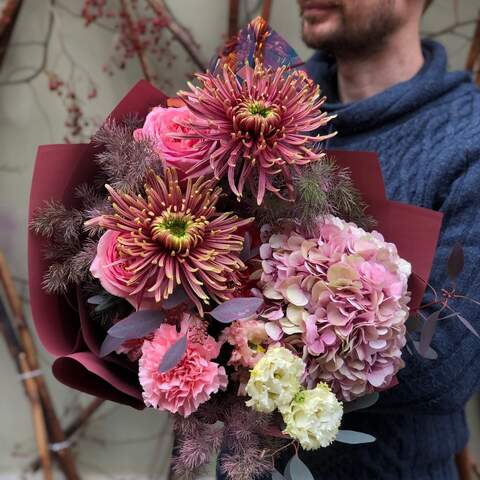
(163, 126)
(191, 382)
(247, 338)
(344, 294)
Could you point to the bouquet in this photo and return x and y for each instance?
(202, 255)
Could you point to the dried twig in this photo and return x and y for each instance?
(8, 18)
(46, 44)
(178, 31)
(131, 21)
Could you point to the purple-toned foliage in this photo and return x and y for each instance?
(125, 162)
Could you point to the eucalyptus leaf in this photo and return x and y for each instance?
(97, 299)
(109, 345)
(428, 331)
(297, 470)
(276, 475)
(109, 302)
(468, 325)
(173, 355)
(360, 403)
(236, 309)
(430, 354)
(354, 438)
(455, 261)
(137, 325)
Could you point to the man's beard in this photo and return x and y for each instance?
(357, 37)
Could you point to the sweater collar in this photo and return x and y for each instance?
(431, 82)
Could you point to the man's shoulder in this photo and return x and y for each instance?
(459, 110)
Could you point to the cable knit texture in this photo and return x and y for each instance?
(427, 133)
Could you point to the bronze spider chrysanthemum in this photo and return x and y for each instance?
(176, 237)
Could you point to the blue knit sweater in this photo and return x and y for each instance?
(427, 133)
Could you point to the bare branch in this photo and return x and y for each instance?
(179, 32)
(130, 18)
(46, 43)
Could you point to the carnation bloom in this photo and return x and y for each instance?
(313, 418)
(187, 385)
(175, 237)
(257, 129)
(246, 337)
(274, 380)
(162, 126)
(344, 294)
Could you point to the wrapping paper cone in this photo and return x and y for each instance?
(65, 332)
(68, 334)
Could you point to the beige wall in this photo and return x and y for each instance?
(138, 443)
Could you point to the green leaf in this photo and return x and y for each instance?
(354, 438)
(297, 470)
(360, 403)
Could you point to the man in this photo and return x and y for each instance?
(393, 95)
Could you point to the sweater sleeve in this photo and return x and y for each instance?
(444, 385)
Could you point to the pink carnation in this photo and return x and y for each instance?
(109, 267)
(190, 383)
(247, 338)
(162, 126)
(345, 295)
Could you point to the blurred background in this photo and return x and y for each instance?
(64, 64)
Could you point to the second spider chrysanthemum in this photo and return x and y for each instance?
(175, 237)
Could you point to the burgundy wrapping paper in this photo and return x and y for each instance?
(66, 332)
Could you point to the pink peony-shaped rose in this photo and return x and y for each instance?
(162, 126)
(344, 294)
(187, 385)
(108, 266)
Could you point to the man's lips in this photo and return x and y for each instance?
(319, 9)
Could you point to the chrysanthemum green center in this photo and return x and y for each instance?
(178, 231)
(259, 108)
(257, 118)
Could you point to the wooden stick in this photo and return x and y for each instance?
(473, 59)
(233, 17)
(266, 10)
(76, 424)
(65, 457)
(39, 424)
